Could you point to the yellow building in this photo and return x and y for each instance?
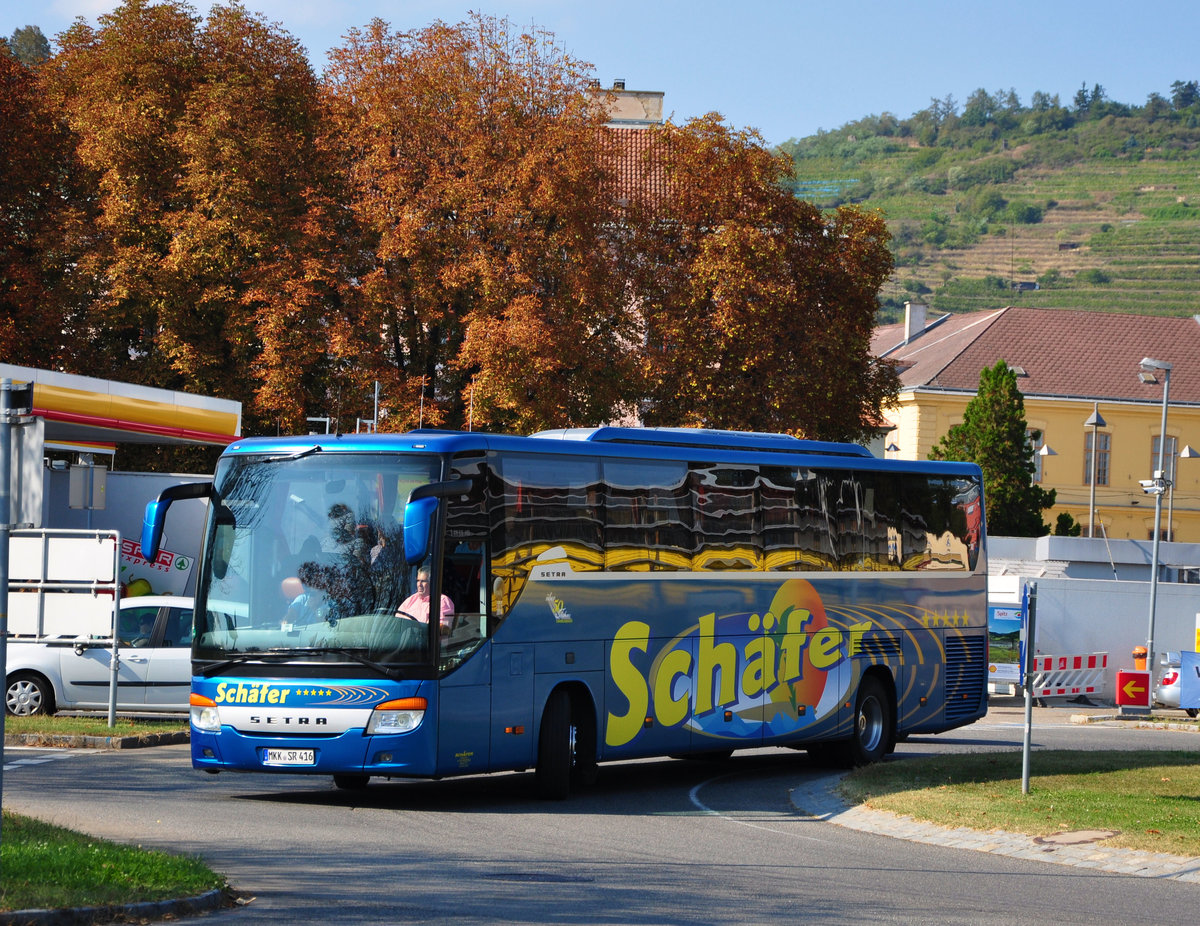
(1069, 365)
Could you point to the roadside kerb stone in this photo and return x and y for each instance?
(77, 741)
(146, 911)
(819, 798)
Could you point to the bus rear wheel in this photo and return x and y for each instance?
(873, 726)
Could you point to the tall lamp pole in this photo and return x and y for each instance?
(1095, 422)
(1156, 487)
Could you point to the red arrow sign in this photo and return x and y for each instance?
(1133, 688)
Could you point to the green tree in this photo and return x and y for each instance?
(29, 46)
(1185, 94)
(1067, 526)
(993, 434)
(1083, 99)
(980, 108)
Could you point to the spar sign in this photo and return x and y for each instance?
(167, 575)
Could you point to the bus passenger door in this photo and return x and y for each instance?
(464, 708)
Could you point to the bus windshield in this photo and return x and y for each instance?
(304, 557)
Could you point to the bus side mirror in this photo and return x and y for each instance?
(156, 513)
(419, 515)
(152, 528)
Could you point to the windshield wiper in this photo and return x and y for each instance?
(339, 651)
(209, 671)
(276, 653)
(288, 457)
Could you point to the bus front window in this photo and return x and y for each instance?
(307, 554)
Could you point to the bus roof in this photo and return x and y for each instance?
(627, 443)
(707, 439)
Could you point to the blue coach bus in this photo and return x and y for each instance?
(449, 603)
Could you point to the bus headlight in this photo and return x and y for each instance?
(205, 716)
(399, 716)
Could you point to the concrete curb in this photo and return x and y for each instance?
(820, 800)
(134, 741)
(1143, 723)
(133, 912)
(97, 743)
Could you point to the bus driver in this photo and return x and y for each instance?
(416, 605)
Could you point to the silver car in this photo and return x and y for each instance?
(1166, 692)
(155, 664)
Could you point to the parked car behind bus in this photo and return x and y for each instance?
(154, 635)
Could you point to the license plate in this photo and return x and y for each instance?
(290, 757)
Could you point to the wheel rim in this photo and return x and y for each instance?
(24, 699)
(870, 724)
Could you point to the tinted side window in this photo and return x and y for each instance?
(648, 516)
(136, 626)
(179, 627)
(728, 517)
(546, 509)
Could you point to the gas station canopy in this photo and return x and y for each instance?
(82, 413)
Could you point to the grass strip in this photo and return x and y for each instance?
(1148, 798)
(45, 866)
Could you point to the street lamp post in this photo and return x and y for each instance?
(1156, 487)
(1095, 422)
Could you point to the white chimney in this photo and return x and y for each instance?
(914, 319)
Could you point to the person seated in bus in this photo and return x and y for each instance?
(340, 570)
(302, 603)
(416, 605)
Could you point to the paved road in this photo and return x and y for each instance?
(654, 842)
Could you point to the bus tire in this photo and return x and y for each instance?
(557, 740)
(873, 726)
(584, 769)
(350, 782)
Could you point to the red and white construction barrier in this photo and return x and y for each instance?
(1065, 676)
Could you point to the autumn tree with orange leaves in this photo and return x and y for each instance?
(207, 221)
(758, 307)
(444, 214)
(35, 213)
(490, 275)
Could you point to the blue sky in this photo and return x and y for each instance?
(791, 67)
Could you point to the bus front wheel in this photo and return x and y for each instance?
(558, 748)
(873, 733)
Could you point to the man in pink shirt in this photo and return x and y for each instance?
(416, 605)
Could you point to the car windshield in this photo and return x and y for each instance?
(304, 555)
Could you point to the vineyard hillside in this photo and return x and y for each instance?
(1101, 214)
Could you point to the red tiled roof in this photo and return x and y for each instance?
(1064, 352)
(638, 169)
